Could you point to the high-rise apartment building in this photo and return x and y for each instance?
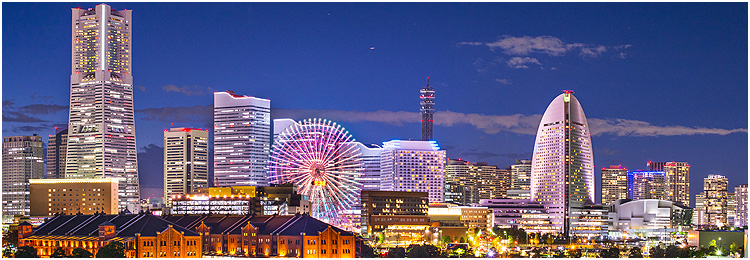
(23, 159)
(740, 194)
(466, 183)
(101, 127)
(677, 182)
(562, 169)
(57, 147)
(520, 180)
(242, 139)
(370, 179)
(731, 209)
(715, 204)
(645, 185)
(699, 212)
(427, 103)
(413, 166)
(614, 184)
(185, 161)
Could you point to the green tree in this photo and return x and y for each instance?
(432, 251)
(26, 252)
(671, 252)
(446, 240)
(684, 253)
(612, 252)
(656, 252)
(58, 253)
(712, 243)
(10, 238)
(635, 252)
(550, 240)
(575, 253)
(112, 250)
(417, 251)
(398, 252)
(733, 247)
(80, 253)
(366, 251)
(462, 240)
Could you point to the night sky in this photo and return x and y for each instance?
(657, 81)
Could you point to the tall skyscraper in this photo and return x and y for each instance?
(646, 185)
(101, 128)
(699, 214)
(242, 139)
(715, 189)
(414, 166)
(520, 180)
(614, 184)
(461, 185)
(677, 182)
(23, 159)
(562, 169)
(740, 194)
(185, 162)
(427, 97)
(370, 179)
(57, 147)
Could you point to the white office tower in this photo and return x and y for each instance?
(242, 139)
(413, 166)
(740, 193)
(101, 128)
(370, 179)
(562, 169)
(185, 161)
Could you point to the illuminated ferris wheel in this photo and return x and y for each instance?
(320, 157)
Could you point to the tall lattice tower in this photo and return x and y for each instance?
(427, 95)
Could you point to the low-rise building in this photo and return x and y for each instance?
(651, 218)
(297, 235)
(519, 213)
(470, 217)
(73, 196)
(143, 235)
(242, 200)
(589, 222)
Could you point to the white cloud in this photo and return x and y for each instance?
(549, 45)
(503, 81)
(520, 62)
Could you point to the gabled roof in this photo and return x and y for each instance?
(126, 225)
(311, 226)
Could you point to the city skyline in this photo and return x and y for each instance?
(491, 85)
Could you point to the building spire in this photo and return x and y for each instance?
(427, 97)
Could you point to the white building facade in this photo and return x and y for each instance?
(101, 127)
(242, 139)
(23, 159)
(562, 169)
(414, 166)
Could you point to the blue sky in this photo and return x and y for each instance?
(658, 81)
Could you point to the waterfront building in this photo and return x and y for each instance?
(590, 222)
(23, 159)
(648, 218)
(383, 209)
(143, 235)
(715, 204)
(427, 103)
(101, 125)
(185, 161)
(242, 200)
(73, 196)
(520, 180)
(466, 216)
(614, 184)
(413, 166)
(562, 170)
(519, 213)
(741, 197)
(370, 179)
(242, 139)
(298, 235)
(645, 185)
(57, 149)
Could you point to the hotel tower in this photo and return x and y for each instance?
(562, 167)
(101, 129)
